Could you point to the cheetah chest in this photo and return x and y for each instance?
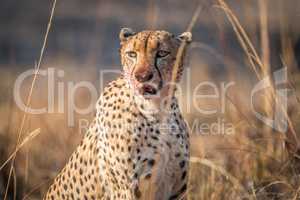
(135, 149)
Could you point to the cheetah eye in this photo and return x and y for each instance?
(131, 54)
(162, 54)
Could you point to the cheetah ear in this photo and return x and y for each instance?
(186, 37)
(125, 33)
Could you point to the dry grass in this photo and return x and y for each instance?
(254, 163)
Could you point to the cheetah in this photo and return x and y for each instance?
(135, 148)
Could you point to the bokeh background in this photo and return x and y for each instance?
(255, 162)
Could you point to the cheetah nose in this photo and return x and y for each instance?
(144, 77)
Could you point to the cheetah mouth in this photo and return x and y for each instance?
(147, 90)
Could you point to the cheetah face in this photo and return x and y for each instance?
(148, 58)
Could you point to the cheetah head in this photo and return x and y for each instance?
(148, 58)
